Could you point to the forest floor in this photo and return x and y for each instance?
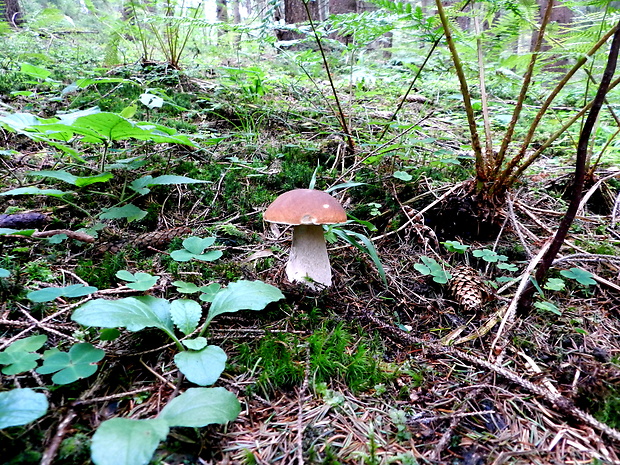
(368, 371)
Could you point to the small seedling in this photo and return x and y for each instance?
(585, 278)
(194, 249)
(78, 363)
(430, 267)
(489, 256)
(139, 281)
(455, 246)
(555, 284)
(21, 356)
(546, 306)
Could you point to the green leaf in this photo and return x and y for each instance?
(198, 407)
(35, 71)
(133, 313)
(430, 267)
(36, 191)
(185, 288)
(209, 291)
(403, 176)
(194, 248)
(243, 295)
(123, 441)
(197, 245)
(455, 246)
(547, 307)
(583, 277)
(555, 284)
(17, 232)
(139, 281)
(203, 367)
(507, 266)
(49, 294)
(141, 185)
(4, 273)
(129, 211)
(109, 334)
(198, 343)
(489, 255)
(19, 356)
(71, 179)
(21, 406)
(78, 363)
(364, 244)
(185, 314)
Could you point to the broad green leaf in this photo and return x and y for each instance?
(139, 281)
(141, 185)
(151, 101)
(583, 277)
(198, 343)
(123, 441)
(109, 334)
(49, 294)
(133, 313)
(402, 175)
(129, 211)
(197, 245)
(4, 273)
(35, 71)
(36, 191)
(17, 232)
(198, 407)
(21, 406)
(20, 357)
(19, 121)
(79, 181)
(78, 363)
(202, 367)
(243, 295)
(547, 307)
(185, 314)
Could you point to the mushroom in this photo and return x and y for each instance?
(306, 210)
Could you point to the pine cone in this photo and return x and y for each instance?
(467, 287)
(159, 239)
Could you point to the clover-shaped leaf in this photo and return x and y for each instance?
(138, 281)
(507, 266)
(79, 362)
(554, 284)
(186, 288)
(194, 249)
(430, 267)
(209, 292)
(20, 356)
(489, 256)
(455, 246)
(583, 277)
(185, 314)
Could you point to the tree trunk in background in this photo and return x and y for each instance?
(221, 13)
(236, 12)
(11, 12)
(560, 15)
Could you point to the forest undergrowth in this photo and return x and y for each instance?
(143, 180)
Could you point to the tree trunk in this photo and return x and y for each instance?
(221, 13)
(561, 16)
(11, 12)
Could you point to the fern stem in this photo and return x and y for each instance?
(507, 177)
(483, 97)
(527, 79)
(471, 120)
(341, 116)
(512, 178)
(580, 169)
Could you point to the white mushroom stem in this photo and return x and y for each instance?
(308, 262)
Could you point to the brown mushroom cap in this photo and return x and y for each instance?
(305, 206)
